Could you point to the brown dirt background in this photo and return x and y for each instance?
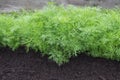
(19, 65)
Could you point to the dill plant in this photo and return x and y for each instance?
(63, 32)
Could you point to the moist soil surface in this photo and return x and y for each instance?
(19, 65)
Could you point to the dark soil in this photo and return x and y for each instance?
(19, 65)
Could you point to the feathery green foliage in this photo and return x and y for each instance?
(62, 32)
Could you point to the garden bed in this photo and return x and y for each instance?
(32, 66)
(61, 39)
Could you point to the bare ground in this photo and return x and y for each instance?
(19, 65)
